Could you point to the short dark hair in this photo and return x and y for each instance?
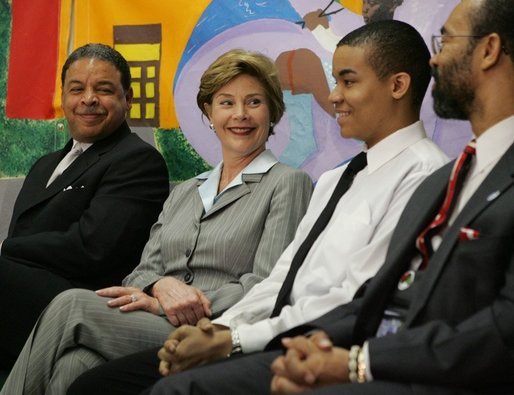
(102, 52)
(392, 47)
(495, 16)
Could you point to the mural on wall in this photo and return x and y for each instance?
(169, 45)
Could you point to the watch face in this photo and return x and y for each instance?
(236, 343)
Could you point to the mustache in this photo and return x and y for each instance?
(91, 111)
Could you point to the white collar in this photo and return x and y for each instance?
(391, 146)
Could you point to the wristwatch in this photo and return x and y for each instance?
(236, 343)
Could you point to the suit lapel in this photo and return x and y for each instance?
(234, 194)
(38, 190)
(418, 213)
(75, 170)
(497, 182)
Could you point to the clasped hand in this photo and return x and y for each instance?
(190, 346)
(181, 303)
(308, 363)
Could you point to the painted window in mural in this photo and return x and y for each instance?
(141, 46)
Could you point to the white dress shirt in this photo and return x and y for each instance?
(490, 147)
(350, 249)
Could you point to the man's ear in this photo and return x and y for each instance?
(491, 52)
(129, 95)
(400, 83)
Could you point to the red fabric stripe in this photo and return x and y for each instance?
(33, 59)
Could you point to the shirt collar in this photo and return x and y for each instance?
(393, 145)
(494, 142)
(83, 146)
(209, 188)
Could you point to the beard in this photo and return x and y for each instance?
(452, 93)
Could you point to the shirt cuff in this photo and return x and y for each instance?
(254, 337)
(365, 352)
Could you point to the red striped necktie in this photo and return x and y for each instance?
(458, 174)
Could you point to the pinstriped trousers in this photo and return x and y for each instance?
(77, 332)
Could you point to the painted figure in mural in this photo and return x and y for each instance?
(218, 235)
(87, 226)
(377, 98)
(379, 10)
(301, 71)
(438, 318)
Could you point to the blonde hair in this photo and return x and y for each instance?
(237, 62)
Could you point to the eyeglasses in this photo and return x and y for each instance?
(437, 40)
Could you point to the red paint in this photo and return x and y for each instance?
(33, 59)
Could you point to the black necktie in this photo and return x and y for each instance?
(357, 164)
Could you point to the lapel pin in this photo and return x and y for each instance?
(493, 196)
(406, 280)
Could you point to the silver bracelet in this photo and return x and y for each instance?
(361, 367)
(353, 364)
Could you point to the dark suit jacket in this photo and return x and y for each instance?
(87, 229)
(459, 329)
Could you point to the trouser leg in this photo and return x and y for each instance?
(80, 318)
(379, 387)
(123, 376)
(77, 360)
(24, 294)
(249, 374)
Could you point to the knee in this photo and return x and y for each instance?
(74, 295)
(69, 301)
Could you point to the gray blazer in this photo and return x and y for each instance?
(235, 245)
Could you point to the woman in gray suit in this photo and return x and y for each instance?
(219, 234)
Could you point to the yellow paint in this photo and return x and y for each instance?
(150, 111)
(150, 90)
(150, 72)
(135, 111)
(352, 5)
(139, 52)
(135, 72)
(136, 87)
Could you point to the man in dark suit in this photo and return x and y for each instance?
(439, 316)
(84, 225)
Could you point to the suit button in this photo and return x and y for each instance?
(188, 252)
(188, 278)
